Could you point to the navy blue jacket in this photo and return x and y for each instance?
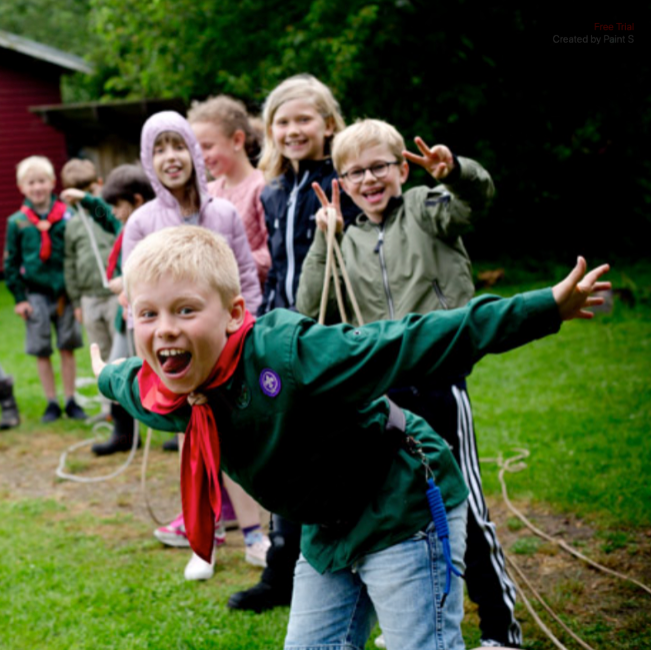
(290, 206)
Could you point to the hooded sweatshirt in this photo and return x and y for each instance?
(217, 215)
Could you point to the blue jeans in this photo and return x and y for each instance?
(401, 586)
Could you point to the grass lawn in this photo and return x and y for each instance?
(80, 568)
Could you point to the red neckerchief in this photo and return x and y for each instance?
(200, 493)
(56, 214)
(112, 261)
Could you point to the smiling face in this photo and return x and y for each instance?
(299, 131)
(219, 151)
(172, 163)
(37, 186)
(181, 328)
(372, 195)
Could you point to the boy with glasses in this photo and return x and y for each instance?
(404, 254)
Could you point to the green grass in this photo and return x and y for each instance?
(579, 401)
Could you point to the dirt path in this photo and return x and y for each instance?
(608, 613)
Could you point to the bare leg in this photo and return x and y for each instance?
(46, 375)
(246, 508)
(68, 372)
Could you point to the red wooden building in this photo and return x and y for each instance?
(30, 75)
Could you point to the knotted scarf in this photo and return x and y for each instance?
(200, 493)
(56, 215)
(112, 261)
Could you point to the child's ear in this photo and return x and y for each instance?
(239, 139)
(404, 171)
(138, 200)
(329, 127)
(237, 312)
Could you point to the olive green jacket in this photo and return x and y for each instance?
(415, 261)
(318, 451)
(81, 271)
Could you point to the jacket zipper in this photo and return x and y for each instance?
(383, 266)
(289, 238)
(439, 294)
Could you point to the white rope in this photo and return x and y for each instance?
(516, 464)
(93, 245)
(60, 471)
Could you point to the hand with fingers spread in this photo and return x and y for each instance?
(335, 204)
(437, 160)
(574, 293)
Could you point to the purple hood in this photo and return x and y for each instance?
(171, 121)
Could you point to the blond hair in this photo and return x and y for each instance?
(364, 134)
(303, 87)
(184, 253)
(229, 115)
(78, 173)
(34, 163)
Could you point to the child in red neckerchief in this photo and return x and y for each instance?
(34, 252)
(307, 401)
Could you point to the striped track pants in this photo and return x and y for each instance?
(449, 413)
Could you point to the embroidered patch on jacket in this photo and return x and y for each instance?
(270, 383)
(244, 398)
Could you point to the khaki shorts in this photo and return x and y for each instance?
(46, 312)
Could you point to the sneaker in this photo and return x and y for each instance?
(52, 412)
(380, 642)
(260, 597)
(172, 445)
(256, 553)
(74, 411)
(198, 570)
(493, 644)
(173, 534)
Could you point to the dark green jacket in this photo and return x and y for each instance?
(24, 269)
(415, 261)
(319, 450)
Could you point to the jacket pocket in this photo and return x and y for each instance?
(440, 295)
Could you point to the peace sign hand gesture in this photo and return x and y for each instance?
(335, 204)
(438, 160)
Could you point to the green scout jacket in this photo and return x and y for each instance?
(24, 269)
(415, 261)
(302, 422)
(81, 271)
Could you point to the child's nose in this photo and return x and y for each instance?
(167, 327)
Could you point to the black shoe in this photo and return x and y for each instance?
(259, 598)
(117, 443)
(52, 412)
(74, 411)
(172, 445)
(10, 415)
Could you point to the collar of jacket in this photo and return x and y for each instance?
(324, 166)
(30, 205)
(393, 205)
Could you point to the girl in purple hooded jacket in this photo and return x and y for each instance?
(173, 161)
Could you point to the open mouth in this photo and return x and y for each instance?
(174, 361)
(374, 195)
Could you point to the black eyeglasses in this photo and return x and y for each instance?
(379, 171)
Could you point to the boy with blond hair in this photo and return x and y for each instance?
(34, 273)
(404, 254)
(305, 402)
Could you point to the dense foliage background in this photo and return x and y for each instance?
(561, 127)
